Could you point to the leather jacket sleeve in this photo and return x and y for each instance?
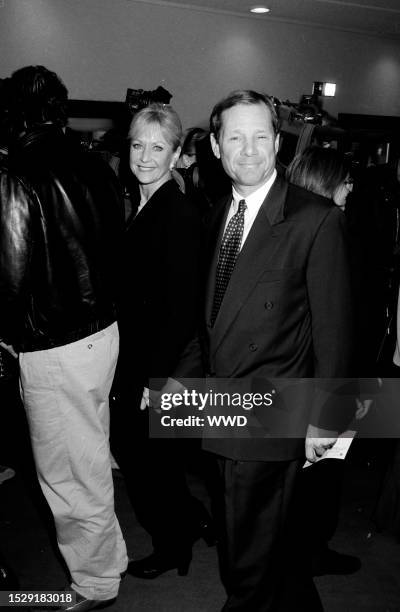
(15, 252)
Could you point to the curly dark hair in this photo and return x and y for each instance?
(38, 96)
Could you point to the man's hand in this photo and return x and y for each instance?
(318, 441)
(152, 398)
(172, 386)
(363, 406)
(9, 348)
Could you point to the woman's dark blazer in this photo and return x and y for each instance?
(158, 313)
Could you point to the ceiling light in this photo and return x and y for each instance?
(259, 9)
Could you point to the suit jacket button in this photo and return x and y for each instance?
(253, 347)
(269, 305)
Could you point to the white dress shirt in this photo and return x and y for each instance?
(253, 205)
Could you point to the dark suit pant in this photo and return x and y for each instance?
(321, 482)
(261, 564)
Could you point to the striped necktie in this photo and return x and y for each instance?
(230, 247)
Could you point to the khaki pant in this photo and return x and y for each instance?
(65, 392)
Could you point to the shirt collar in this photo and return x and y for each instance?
(256, 198)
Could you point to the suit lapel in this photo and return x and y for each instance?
(264, 237)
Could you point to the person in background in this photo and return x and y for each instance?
(188, 155)
(384, 201)
(199, 173)
(326, 172)
(374, 214)
(158, 314)
(61, 226)
(190, 171)
(322, 171)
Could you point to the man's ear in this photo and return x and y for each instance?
(277, 141)
(215, 146)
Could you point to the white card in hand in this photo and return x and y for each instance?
(339, 450)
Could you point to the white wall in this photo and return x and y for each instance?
(101, 47)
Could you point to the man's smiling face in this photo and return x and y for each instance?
(247, 146)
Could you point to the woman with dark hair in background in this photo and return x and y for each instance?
(199, 172)
(324, 171)
(188, 155)
(158, 318)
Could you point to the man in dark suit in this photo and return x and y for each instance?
(278, 308)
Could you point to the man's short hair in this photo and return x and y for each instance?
(241, 96)
(39, 96)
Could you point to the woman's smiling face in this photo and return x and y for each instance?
(151, 155)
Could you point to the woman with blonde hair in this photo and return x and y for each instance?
(158, 317)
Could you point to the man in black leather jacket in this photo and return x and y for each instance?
(61, 223)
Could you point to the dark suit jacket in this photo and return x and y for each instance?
(286, 311)
(159, 303)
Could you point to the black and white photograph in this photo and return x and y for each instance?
(200, 305)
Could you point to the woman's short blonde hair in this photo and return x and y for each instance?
(163, 115)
